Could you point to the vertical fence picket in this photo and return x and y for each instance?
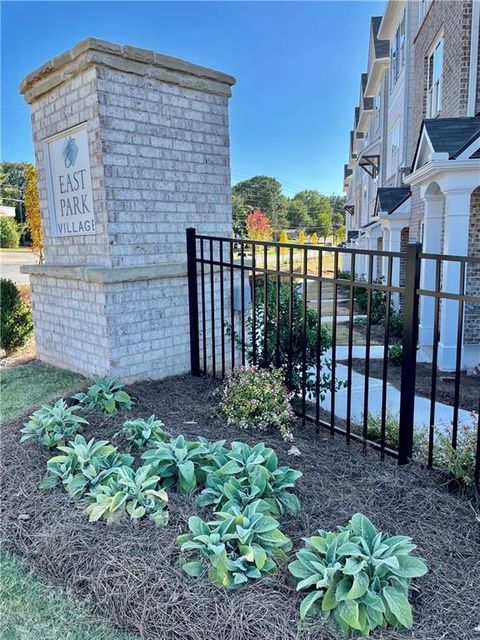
(193, 301)
(232, 306)
(350, 347)
(409, 354)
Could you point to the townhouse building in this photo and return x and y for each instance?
(413, 172)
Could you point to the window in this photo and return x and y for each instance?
(376, 104)
(434, 80)
(395, 148)
(397, 52)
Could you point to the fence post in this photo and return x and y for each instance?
(193, 301)
(409, 354)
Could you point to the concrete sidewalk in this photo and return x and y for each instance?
(443, 412)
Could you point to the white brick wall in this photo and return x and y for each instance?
(159, 155)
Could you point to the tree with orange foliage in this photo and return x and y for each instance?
(32, 211)
(258, 226)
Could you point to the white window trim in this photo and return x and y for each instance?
(439, 84)
(397, 52)
(395, 156)
(377, 112)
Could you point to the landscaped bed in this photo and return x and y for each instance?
(132, 571)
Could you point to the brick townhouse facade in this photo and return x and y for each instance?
(418, 179)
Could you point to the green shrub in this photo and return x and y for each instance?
(460, 461)
(15, 317)
(107, 394)
(9, 233)
(291, 340)
(254, 398)
(359, 579)
(144, 433)
(129, 492)
(374, 428)
(344, 275)
(236, 547)
(395, 325)
(378, 308)
(249, 474)
(395, 352)
(83, 465)
(52, 426)
(184, 465)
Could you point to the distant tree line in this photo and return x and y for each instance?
(309, 210)
(19, 189)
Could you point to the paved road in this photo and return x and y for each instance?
(10, 262)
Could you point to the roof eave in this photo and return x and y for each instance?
(390, 18)
(375, 76)
(364, 120)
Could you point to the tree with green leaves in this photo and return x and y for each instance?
(12, 185)
(265, 193)
(297, 214)
(240, 211)
(338, 215)
(319, 210)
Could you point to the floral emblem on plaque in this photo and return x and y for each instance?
(70, 152)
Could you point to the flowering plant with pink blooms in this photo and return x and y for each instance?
(255, 398)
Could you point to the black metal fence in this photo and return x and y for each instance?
(347, 339)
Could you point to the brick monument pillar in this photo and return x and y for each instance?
(131, 147)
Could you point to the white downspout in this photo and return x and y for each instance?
(472, 79)
(406, 96)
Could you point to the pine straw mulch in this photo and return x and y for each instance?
(132, 574)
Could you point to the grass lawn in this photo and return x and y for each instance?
(28, 385)
(29, 608)
(32, 610)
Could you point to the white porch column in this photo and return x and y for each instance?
(361, 260)
(455, 242)
(395, 229)
(432, 227)
(386, 247)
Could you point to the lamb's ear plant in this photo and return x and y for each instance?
(235, 547)
(144, 433)
(52, 426)
(107, 395)
(83, 464)
(357, 578)
(179, 463)
(248, 474)
(135, 493)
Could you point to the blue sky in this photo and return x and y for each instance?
(297, 66)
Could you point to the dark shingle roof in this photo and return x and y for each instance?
(382, 47)
(389, 198)
(452, 135)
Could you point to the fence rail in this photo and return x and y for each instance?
(299, 307)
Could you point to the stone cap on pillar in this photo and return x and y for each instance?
(95, 52)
